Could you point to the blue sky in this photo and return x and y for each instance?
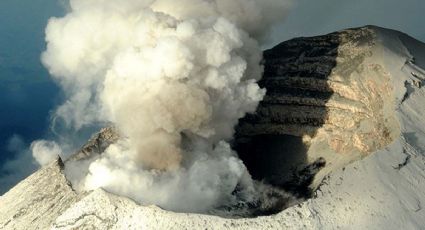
(26, 92)
(27, 95)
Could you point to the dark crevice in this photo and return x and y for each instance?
(296, 78)
(405, 162)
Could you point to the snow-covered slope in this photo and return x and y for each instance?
(38, 200)
(385, 190)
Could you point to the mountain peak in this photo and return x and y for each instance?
(341, 121)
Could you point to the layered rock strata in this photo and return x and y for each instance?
(329, 102)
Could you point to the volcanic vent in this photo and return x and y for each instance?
(321, 91)
(173, 79)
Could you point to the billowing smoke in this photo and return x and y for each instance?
(45, 152)
(173, 77)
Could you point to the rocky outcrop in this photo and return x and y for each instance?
(329, 98)
(96, 145)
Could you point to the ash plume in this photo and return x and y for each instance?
(173, 77)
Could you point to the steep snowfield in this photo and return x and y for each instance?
(38, 200)
(383, 191)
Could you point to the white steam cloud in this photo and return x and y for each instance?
(44, 152)
(173, 77)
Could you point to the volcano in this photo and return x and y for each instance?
(341, 129)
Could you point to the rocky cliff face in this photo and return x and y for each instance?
(331, 100)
